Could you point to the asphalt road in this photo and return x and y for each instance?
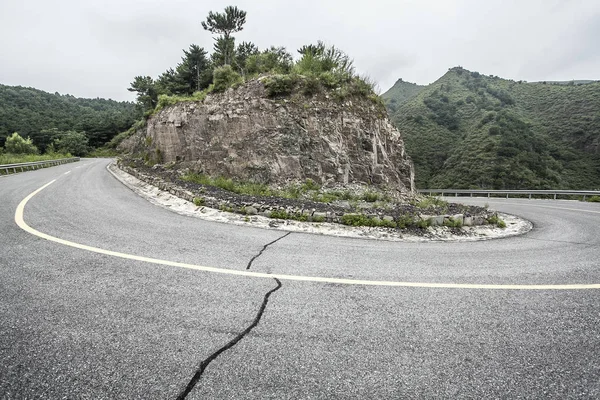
(82, 325)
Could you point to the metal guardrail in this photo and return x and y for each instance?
(35, 165)
(530, 193)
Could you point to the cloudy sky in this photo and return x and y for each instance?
(93, 48)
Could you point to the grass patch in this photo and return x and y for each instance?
(8, 158)
(593, 199)
(496, 220)
(248, 188)
(432, 202)
(454, 223)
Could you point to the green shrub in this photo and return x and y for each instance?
(330, 80)
(281, 214)
(225, 77)
(274, 60)
(311, 86)
(429, 202)
(310, 184)
(452, 223)
(594, 199)
(198, 201)
(370, 197)
(496, 220)
(355, 220)
(280, 85)
(15, 144)
(318, 218)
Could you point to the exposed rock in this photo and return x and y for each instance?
(245, 135)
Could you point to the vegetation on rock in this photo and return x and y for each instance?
(319, 68)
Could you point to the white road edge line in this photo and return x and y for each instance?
(19, 220)
(67, 173)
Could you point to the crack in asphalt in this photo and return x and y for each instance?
(213, 356)
(264, 248)
(204, 364)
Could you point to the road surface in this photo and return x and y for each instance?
(88, 316)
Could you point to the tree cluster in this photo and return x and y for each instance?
(41, 116)
(230, 64)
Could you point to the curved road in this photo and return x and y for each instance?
(76, 323)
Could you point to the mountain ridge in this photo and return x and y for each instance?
(469, 130)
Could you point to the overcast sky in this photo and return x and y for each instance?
(93, 48)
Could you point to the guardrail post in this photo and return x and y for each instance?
(554, 196)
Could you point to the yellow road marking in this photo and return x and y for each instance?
(19, 219)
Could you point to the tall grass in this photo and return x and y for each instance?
(25, 158)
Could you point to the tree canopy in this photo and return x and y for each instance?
(34, 113)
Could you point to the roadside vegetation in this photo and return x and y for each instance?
(19, 150)
(319, 67)
(359, 207)
(45, 118)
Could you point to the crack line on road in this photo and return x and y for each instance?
(264, 248)
(204, 364)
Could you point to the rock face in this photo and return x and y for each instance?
(246, 135)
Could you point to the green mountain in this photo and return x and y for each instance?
(468, 130)
(399, 93)
(32, 112)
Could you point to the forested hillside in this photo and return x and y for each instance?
(471, 130)
(401, 92)
(40, 115)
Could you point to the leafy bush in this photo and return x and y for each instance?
(166, 100)
(310, 184)
(15, 144)
(594, 199)
(280, 85)
(225, 77)
(429, 202)
(310, 86)
(281, 214)
(274, 60)
(496, 220)
(72, 142)
(452, 223)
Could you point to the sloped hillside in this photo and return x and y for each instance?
(471, 130)
(401, 92)
(31, 112)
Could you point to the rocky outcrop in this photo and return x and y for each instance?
(246, 135)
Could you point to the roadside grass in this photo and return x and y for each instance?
(8, 158)
(432, 202)
(593, 199)
(308, 189)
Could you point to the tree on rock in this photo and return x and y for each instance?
(225, 24)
